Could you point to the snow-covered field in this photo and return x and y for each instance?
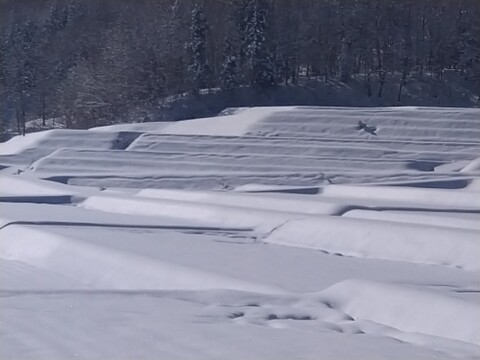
(268, 233)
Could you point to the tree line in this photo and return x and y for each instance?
(94, 62)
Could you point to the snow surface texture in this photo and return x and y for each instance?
(264, 233)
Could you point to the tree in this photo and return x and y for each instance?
(229, 78)
(259, 58)
(21, 68)
(199, 68)
(48, 58)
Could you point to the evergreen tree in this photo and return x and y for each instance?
(48, 58)
(21, 68)
(229, 78)
(242, 18)
(260, 60)
(199, 68)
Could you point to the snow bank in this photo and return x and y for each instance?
(21, 186)
(210, 214)
(414, 196)
(106, 268)
(228, 125)
(474, 186)
(61, 215)
(414, 217)
(275, 202)
(135, 127)
(276, 188)
(453, 166)
(39, 144)
(382, 240)
(348, 236)
(20, 143)
(407, 309)
(472, 166)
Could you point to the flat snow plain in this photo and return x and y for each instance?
(268, 233)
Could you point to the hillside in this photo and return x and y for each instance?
(100, 62)
(425, 90)
(263, 233)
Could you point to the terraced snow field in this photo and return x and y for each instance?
(268, 233)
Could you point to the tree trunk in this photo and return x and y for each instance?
(369, 85)
(403, 82)
(399, 95)
(44, 115)
(287, 67)
(24, 125)
(17, 115)
(382, 82)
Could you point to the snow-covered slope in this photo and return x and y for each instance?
(264, 233)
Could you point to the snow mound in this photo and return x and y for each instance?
(21, 186)
(211, 214)
(433, 197)
(473, 186)
(106, 268)
(26, 149)
(274, 202)
(407, 309)
(19, 143)
(382, 240)
(473, 166)
(228, 125)
(271, 242)
(135, 127)
(414, 217)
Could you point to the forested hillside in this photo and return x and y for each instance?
(95, 62)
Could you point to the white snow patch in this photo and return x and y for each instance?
(21, 143)
(382, 240)
(229, 125)
(474, 165)
(413, 217)
(105, 268)
(211, 214)
(418, 196)
(135, 127)
(21, 186)
(407, 309)
(288, 203)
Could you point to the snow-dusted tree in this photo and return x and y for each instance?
(346, 13)
(21, 67)
(49, 58)
(261, 68)
(242, 14)
(199, 69)
(229, 76)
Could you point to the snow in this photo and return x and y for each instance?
(416, 217)
(421, 311)
(117, 270)
(263, 233)
(136, 127)
(21, 143)
(230, 125)
(472, 166)
(15, 185)
(214, 215)
(382, 239)
(438, 197)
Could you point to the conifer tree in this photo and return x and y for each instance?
(229, 78)
(260, 60)
(199, 68)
